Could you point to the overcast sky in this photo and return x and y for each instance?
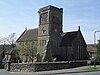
(15, 15)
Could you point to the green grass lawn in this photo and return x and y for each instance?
(91, 68)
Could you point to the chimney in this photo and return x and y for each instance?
(25, 28)
(78, 28)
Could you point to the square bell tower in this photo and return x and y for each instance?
(50, 27)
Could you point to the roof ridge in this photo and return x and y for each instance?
(32, 29)
(70, 31)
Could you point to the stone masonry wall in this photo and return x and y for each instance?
(43, 66)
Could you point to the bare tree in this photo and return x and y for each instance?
(11, 39)
(3, 40)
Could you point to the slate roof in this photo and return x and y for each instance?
(28, 35)
(1, 48)
(68, 37)
(91, 48)
(5, 47)
(12, 50)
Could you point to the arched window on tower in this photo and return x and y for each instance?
(44, 18)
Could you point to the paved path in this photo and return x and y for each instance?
(85, 73)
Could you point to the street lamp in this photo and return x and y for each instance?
(95, 47)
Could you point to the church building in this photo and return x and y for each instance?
(53, 43)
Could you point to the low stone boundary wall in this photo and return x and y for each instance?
(43, 66)
(32, 67)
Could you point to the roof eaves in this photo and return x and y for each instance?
(21, 36)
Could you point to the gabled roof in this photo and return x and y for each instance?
(5, 47)
(91, 48)
(28, 35)
(68, 37)
(11, 51)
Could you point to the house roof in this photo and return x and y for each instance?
(68, 37)
(1, 48)
(91, 48)
(28, 35)
(12, 50)
(5, 47)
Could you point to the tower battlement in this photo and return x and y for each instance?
(50, 7)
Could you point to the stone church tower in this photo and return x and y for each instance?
(50, 30)
(53, 43)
